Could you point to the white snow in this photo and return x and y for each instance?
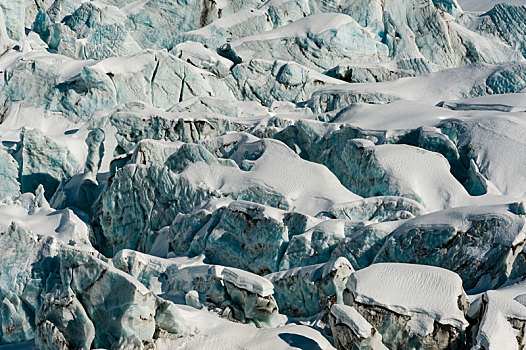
(424, 293)
(353, 319)
(219, 334)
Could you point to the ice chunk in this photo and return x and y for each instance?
(419, 305)
(306, 291)
(315, 245)
(9, 186)
(93, 31)
(201, 57)
(362, 246)
(5, 41)
(501, 316)
(338, 35)
(352, 331)
(269, 81)
(43, 161)
(378, 209)
(14, 15)
(243, 296)
(67, 290)
(479, 243)
(470, 81)
(507, 22)
(248, 236)
(377, 170)
(192, 299)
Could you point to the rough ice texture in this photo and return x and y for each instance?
(247, 296)
(478, 243)
(352, 331)
(306, 291)
(224, 141)
(69, 290)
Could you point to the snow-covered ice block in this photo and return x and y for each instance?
(201, 57)
(377, 170)
(14, 15)
(456, 83)
(248, 236)
(385, 208)
(501, 318)
(242, 295)
(270, 81)
(70, 288)
(411, 305)
(316, 244)
(480, 243)
(92, 31)
(507, 22)
(338, 36)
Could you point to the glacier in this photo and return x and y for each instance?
(283, 174)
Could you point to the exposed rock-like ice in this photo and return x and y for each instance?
(243, 296)
(306, 291)
(352, 331)
(58, 292)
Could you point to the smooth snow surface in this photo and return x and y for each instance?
(409, 289)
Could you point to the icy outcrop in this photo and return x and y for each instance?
(248, 236)
(95, 142)
(456, 83)
(58, 293)
(411, 305)
(378, 209)
(362, 246)
(241, 295)
(5, 41)
(245, 22)
(371, 73)
(92, 31)
(157, 77)
(351, 330)
(157, 23)
(315, 245)
(338, 37)
(270, 81)
(133, 206)
(136, 122)
(506, 22)
(501, 317)
(306, 291)
(142, 199)
(9, 186)
(43, 161)
(377, 170)
(83, 189)
(479, 243)
(14, 16)
(483, 143)
(202, 57)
